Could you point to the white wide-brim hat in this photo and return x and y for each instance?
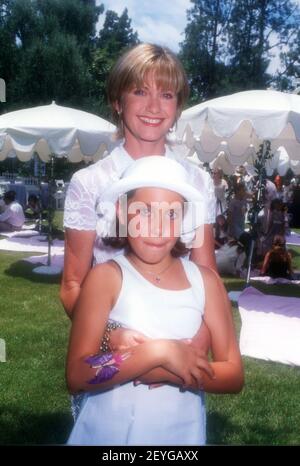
(160, 172)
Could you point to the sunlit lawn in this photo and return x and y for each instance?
(34, 404)
(268, 410)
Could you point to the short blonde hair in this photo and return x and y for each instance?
(133, 67)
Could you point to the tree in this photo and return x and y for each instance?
(257, 29)
(229, 44)
(287, 77)
(77, 18)
(50, 51)
(8, 48)
(53, 71)
(204, 47)
(52, 43)
(115, 36)
(116, 33)
(24, 22)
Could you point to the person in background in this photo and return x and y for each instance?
(241, 176)
(236, 217)
(33, 207)
(278, 261)
(221, 188)
(294, 208)
(277, 223)
(13, 216)
(279, 187)
(270, 194)
(221, 231)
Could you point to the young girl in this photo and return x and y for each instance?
(167, 298)
(221, 235)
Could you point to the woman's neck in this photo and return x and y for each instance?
(137, 149)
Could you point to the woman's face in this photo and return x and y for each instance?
(147, 113)
(154, 223)
(216, 175)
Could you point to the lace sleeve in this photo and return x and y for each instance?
(80, 206)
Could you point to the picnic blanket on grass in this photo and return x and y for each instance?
(56, 259)
(36, 243)
(270, 327)
(293, 238)
(275, 281)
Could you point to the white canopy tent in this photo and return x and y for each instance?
(54, 131)
(228, 130)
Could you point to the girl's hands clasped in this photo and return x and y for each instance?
(186, 361)
(181, 357)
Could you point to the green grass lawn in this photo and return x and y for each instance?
(34, 404)
(267, 411)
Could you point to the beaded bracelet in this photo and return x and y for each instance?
(111, 325)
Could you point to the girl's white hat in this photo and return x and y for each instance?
(160, 172)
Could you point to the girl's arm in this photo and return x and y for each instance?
(226, 359)
(218, 332)
(84, 373)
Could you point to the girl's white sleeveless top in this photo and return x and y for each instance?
(129, 415)
(157, 312)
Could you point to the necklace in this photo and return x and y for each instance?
(156, 275)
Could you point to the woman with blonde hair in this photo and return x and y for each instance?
(147, 90)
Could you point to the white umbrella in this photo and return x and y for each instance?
(237, 124)
(280, 162)
(54, 131)
(228, 131)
